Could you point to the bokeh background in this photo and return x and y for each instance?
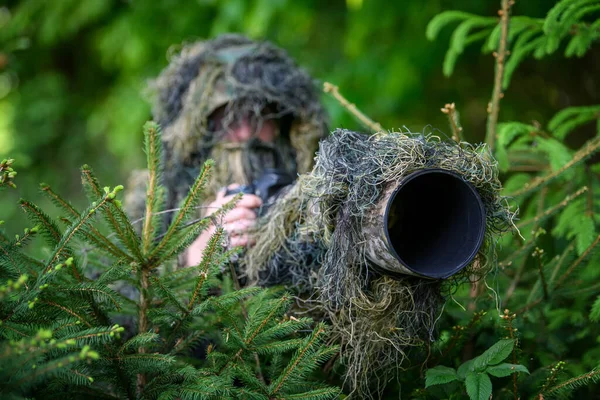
(73, 74)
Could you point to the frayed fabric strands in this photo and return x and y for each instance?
(313, 239)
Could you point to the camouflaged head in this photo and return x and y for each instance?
(238, 77)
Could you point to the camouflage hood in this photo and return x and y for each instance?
(244, 77)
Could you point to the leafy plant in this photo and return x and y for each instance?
(547, 269)
(475, 373)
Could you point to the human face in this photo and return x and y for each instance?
(246, 127)
(242, 131)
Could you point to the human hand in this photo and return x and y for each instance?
(237, 223)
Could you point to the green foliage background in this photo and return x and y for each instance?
(72, 80)
(73, 73)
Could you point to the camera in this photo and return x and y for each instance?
(269, 186)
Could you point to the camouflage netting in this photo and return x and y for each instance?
(234, 77)
(312, 240)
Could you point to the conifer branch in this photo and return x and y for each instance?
(157, 282)
(593, 375)
(351, 107)
(94, 235)
(65, 309)
(588, 149)
(41, 218)
(583, 256)
(538, 254)
(91, 289)
(153, 155)
(115, 216)
(58, 200)
(511, 334)
(297, 359)
(500, 55)
(207, 259)
(553, 210)
(73, 229)
(550, 380)
(143, 322)
(266, 320)
(4, 325)
(9, 255)
(186, 208)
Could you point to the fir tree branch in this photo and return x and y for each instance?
(143, 322)
(588, 149)
(562, 279)
(551, 211)
(278, 384)
(551, 379)
(94, 236)
(186, 208)
(92, 289)
(56, 199)
(41, 218)
(351, 107)
(207, 259)
(9, 255)
(168, 293)
(65, 309)
(266, 320)
(577, 262)
(500, 55)
(117, 219)
(70, 233)
(153, 154)
(593, 375)
(7, 326)
(538, 254)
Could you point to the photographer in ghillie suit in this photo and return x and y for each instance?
(247, 106)
(251, 109)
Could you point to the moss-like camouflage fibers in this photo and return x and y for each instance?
(311, 239)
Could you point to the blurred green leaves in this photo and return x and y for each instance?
(73, 73)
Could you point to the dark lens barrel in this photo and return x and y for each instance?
(435, 223)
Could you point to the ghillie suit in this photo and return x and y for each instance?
(232, 77)
(313, 239)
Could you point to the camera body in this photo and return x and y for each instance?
(268, 187)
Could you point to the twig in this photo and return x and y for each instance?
(450, 110)
(351, 107)
(562, 279)
(538, 254)
(500, 55)
(511, 333)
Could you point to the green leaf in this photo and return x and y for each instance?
(440, 375)
(464, 369)
(494, 355)
(479, 386)
(505, 369)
